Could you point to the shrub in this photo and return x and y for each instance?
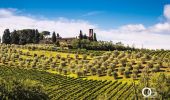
(109, 72)
(135, 71)
(114, 74)
(121, 69)
(63, 64)
(85, 72)
(80, 66)
(126, 74)
(79, 73)
(58, 56)
(156, 68)
(84, 57)
(134, 76)
(64, 71)
(60, 69)
(93, 71)
(99, 72)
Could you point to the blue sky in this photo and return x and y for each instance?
(133, 22)
(105, 13)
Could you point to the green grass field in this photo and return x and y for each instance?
(68, 76)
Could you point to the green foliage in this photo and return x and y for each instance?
(54, 38)
(95, 38)
(81, 35)
(14, 37)
(115, 75)
(21, 36)
(16, 89)
(6, 38)
(36, 37)
(160, 82)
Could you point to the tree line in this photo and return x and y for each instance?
(99, 45)
(25, 36)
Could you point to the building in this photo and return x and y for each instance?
(68, 39)
(91, 34)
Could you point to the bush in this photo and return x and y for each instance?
(126, 74)
(99, 72)
(79, 73)
(84, 57)
(109, 72)
(114, 74)
(121, 69)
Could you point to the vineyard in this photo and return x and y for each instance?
(66, 88)
(81, 76)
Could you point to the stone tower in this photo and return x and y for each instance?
(90, 34)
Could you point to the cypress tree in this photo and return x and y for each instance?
(58, 35)
(54, 37)
(94, 38)
(14, 37)
(6, 38)
(80, 35)
(37, 36)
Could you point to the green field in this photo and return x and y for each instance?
(104, 75)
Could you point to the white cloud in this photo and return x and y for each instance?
(92, 13)
(155, 36)
(167, 12)
(6, 13)
(163, 28)
(132, 28)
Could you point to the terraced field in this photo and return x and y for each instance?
(61, 87)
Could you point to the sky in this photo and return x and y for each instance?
(134, 22)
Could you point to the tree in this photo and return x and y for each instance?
(54, 37)
(84, 43)
(81, 35)
(58, 43)
(37, 36)
(58, 35)
(84, 36)
(46, 33)
(99, 72)
(75, 43)
(109, 72)
(114, 74)
(94, 38)
(14, 37)
(22, 38)
(41, 36)
(6, 38)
